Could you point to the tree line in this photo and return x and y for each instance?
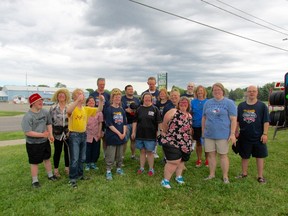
(237, 94)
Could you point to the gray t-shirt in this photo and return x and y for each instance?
(36, 122)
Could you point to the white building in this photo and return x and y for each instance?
(20, 94)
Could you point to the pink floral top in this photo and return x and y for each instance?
(92, 128)
(179, 131)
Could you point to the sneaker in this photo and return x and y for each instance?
(207, 163)
(151, 172)
(109, 176)
(209, 178)
(226, 181)
(179, 180)
(52, 178)
(198, 163)
(94, 166)
(156, 155)
(36, 185)
(140, 171)
(165, 184)
(73, 184)
(120, 171)
(87, 167)
(241, 176)
(261, 180)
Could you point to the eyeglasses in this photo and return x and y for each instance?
(183, 103)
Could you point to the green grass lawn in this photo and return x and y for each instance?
(134, 194)
(10, 113)
(11, 135)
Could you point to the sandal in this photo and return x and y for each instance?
(261, 180)
(241, 176)
(209, 178)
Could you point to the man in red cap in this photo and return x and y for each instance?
(37, 126)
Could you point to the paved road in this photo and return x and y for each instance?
(13, 123)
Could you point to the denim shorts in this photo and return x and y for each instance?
(128, 132)
(149, 145)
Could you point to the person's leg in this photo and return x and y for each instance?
(180, 168)
(110, 157)
(119, 156)
(74, 148)
(142, 158)
(260, 167)
(150, 159)
(66, 155)
(57, 155)
(212, 163)
(82, 154)
(97, 150)
(170, 168)
(224, 161)
(199, 150)
(132, 148)
(245, 163)
(88, 154)
(34, 172)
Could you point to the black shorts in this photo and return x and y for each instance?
(197, 133)
(256, 149)
(173, 153)
(38, 152)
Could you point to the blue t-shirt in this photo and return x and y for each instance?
(161, 106)
(114, 117)
(106, 95)
(218, 113)
(251, 120)
(154, 95)
(197, 111)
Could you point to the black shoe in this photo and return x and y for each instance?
(73, 184)
(36, 185)
(52, 178)
(84, 178)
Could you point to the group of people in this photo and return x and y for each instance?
(177, 123)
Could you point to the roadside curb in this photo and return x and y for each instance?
(12, 142)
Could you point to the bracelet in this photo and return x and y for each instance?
(264, 134)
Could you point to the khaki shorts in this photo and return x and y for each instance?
(220, 146)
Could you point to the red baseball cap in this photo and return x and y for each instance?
(34, 98)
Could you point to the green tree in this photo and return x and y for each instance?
(90, 90)
(60, 85)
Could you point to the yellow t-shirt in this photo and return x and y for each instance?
(77, 122)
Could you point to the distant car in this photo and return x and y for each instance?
(48, 103)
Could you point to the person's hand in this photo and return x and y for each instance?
(45, 134)
(51, 139)
(80, 98)
(264, 138)
(232, 138)
(101, 97)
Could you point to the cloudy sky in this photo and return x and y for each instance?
(75, 42)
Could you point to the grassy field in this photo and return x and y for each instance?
(11, 135)
(10, 113)
(134, 194)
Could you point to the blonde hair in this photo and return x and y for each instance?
(197, 89)
(64, 91)
(114, 92)
(166, 93)
(76, 92)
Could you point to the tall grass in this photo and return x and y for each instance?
(134, 194)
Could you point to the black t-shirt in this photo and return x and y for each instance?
(147, 119)
(251, 120)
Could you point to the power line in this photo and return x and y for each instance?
(220, 8)
(209, 26)
(252, 15)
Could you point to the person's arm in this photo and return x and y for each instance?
(37, 134)
(133, 134)
(50, 131)
(167, 117)
(203, 124)
(233, 124)
(264, 137)
(101, 103)
(73, 105)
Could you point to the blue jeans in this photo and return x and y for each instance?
(92, 151)
(77, 148)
